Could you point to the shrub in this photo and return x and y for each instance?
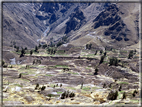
(20, 75)
(102, 59)
(27, 66)
(104, 85)
(81, 85)
(36, 61)
(31, 52)
(43, 88)
(131, 53)
(67, 94)
(101, 51)
(134, 93)
(124, 96)
(112, 95)
(105, 53)
(3, 63)
(120, 88)
(113, 61)
(36, 49)
(96, 52)
(17, 49)
(96, 71)
(37, 86)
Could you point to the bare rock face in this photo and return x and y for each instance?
(77, 19)
(118, 28)
(29, 98)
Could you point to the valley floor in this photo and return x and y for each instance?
(71, 80)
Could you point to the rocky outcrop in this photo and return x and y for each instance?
(118, 29)
(77, 19)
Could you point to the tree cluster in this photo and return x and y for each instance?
(51, 51)
(88, 46)
(67, 94)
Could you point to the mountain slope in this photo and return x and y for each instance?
(115, 26)
(20, 25)
(108, 24)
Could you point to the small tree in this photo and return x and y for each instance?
(49, 95)
(39, 45)
(81, 85)
(112, 95)
(43, 88)
(3, 63)
(101, 51)
(22, 52)
(105, 53)
(17, 49)
(15, 46)
(120, 88)
(25, 48)
(37, 86)
(130, 54)
(110, 85)
(90, 46)
(134, 93)
(96, 71)
(87, 46)
(96, 52)
(104, 85)
(102, 59)
(113, 61)
(36, 49)
(20, 75)
(31, 52)
(124, 96)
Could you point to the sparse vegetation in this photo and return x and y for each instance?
(73, 63)
(113, 61)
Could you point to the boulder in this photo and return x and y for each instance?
(100, 95)
(12, 89)
(29, 98)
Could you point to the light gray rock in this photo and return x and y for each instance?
(12, 103)
(29, 98)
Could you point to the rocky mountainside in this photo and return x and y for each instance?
(25, 23)
(114, 24)
(20, 25)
